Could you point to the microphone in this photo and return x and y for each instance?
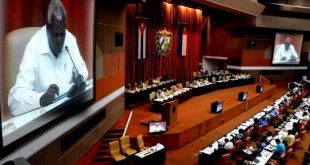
(79, 86)
(77, 72)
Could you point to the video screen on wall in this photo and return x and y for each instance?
(287, 48)
(47, 62)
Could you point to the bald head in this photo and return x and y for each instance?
(287, 43)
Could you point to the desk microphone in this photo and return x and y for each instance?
(79, 82)
(77, 72)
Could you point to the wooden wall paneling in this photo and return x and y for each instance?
(190, 135)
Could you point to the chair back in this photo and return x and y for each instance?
(231, 150)
(194, 74)
(125, 143)
(237, 144)
(140, 142)
(152, 96)
(246, 141)
(225, 159)
(213, 79)
(14, 47)
(114, 148)
(180, 85)
(302, 134)
(187, 84)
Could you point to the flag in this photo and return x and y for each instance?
(142, 40)
(182, 42)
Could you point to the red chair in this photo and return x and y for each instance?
(248, 133)
(297, 144)
(237, 145)
(302, 134)
(231, 150)
(246, 142)
(225, 159)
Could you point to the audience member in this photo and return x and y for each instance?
(290, 138)
(228, 144)
(279, 149)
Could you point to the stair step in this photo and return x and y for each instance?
(103, 153)
(102, 158)
(103, 147)
(118, 134)
(115, 130)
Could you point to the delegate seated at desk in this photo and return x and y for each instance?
(286, 52)
(46, 68)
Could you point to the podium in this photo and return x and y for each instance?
(170, 112)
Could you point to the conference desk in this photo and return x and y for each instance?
(268, 151)
(181, 96)
(17, 122)
(217, 77)
(154, 155)
(210, 153)
(135, 97)
(222, 84)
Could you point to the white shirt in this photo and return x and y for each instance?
(281, 52)
(40, 68)
(228, 145)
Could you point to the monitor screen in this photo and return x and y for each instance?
(157, 127)
(287, 48)
(42, 80)
(245, 96)
(219, 107)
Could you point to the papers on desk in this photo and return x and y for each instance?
(150, 150)
(18, 121)
(265, 155)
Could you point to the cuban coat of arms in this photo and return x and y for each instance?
(163, 42)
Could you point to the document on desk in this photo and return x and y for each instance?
(150, 150)
(18, 121)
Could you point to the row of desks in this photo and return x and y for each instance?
(209, 153)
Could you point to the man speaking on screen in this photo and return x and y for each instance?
(286, 52)
(51, 64)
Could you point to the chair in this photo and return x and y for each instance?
(194, 74)
(225, 159)
(152, 96)
(246, 141)
(180, 85)
(302, 134)
(125, 145)
(248, 133)
(14, 47)
(187, 84)
(231, 150)
(213, 79)
(297, 144)
(140, 143)
(115, 151)
(237, 144)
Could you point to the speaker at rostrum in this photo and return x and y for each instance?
(170, 112)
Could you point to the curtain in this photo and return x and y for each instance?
(160, 15)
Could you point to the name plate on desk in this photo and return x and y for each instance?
(150, 150)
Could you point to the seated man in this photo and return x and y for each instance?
(279, 149)
(228, 144)
(286, 52)
(262, 121)
(47, 69)
(290, 138)
(240, 135)
(304, 118)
